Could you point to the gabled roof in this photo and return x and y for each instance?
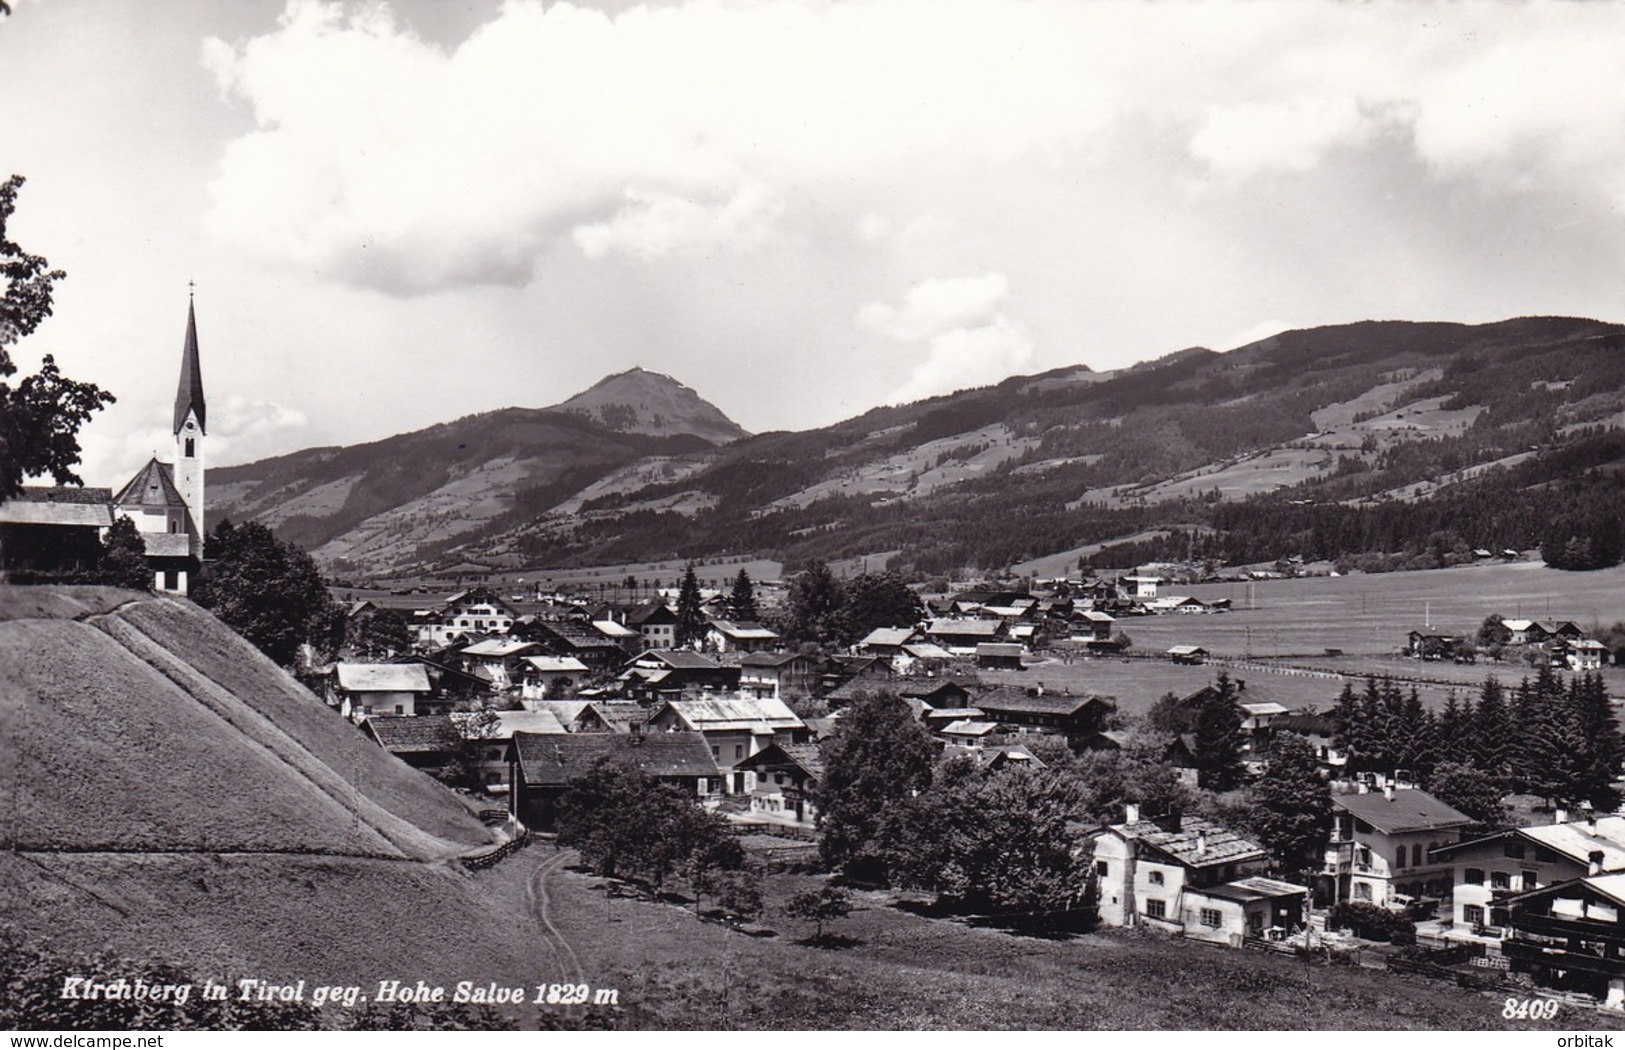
(1195, 843)
(760, 715)
(887, 636)
(746, 629)
(1610, 886)
(58, 505)
(1259, 710)
(650, 613)
(994, 701)
(1576, 840)
(552, 761)
(189, 393)
(964, 628)
(1185, 650)
(1256, 888)
(805, 757)
(612, 630)
(383, 678)
(770, 659)
(498, 647)
(927, 651)
(152, 486)
(684, 659)
(1409, 810)
(554, 664)
(966, 727)
(409, 734)
(998, 649)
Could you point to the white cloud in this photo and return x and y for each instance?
(966, 357)
(936, 306)
(1250, 137)
(969, 339)
(872, 227)
(652, 225)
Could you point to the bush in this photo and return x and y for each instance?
(1371, 923)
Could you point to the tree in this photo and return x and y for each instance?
(1470, 790)
(691, 623)
(739, 893)
(878, 756)
(1294, 805)
(816, 604)
(879, 599)
(382, 633)
(41, 415)
(1218, 737)
(1110, 779)
(1170, 716)
(742, 599)
(124, 557)
(825, 904)
(997, 843)
(268, 591)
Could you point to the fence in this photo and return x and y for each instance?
(481, 861)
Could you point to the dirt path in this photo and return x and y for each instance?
(536, 893)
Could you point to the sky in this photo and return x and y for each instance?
(399, 214)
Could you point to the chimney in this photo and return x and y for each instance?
(1362, 788)
(1594, 862)
(1201, 843)
(1131, 813)
(1388, 791)
(1590, 816)
(1560, 816)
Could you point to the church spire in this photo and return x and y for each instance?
(189, 395)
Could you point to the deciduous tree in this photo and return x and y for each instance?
(41, 414)
(268, 591)
(124, 557)
(878, 756)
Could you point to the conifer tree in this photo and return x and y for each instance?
(1218, 737)
(742, 599)
(1294, 805)
(691, 625)
(1599, 763)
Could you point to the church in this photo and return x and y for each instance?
(57, 528)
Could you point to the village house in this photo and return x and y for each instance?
(53, 528)
(423, 741)
(547, 677)
(655, 623)
(1320, 730)
(999, 656)
(499, 661)
(578, 640)
(1490, 869)
(1584, 655)
(1094, 625)
(465, 614)
(488, 735)
(1568, 936)
(1188, 654)
(664, 674)
(961, 637)
(1428, 644)
(777, 676)
(734, 729)
(1192, 877)
(1383, 843)
(360, 690)
(540, 767)
(1077, 718)
(786, 778)
(943, 692)
(888, 642)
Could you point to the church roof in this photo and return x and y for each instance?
(189, 394)
(152, 486)
(58, 505)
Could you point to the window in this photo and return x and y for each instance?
(191, 448)
(1529, 878)
(400, 709)
(1102, 869)
(1500, 880)
(174, 526)
(1362, 855)
(1472, 913)
(1399, 857)
(1155, 908)
(716, 752)
(1362, 891)
(1474, 877)
(1156, 878)
(172, 580)
(1512, 848)
(739, 751)
(1211, 917)
(1416, 854)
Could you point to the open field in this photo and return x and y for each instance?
(905, 971)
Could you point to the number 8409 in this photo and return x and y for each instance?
(1530, 1009)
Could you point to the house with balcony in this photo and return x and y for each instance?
(1192, 877)
(786, 778)
(465, 614)
(1491, 869)
(1569, 936)
(1384, 842)
(733, 728)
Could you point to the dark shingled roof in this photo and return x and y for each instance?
(189, 394)
(806, 757)
(1197, 843)
(152, 486)
(1408, 810)
(414, 734)
(1017, 700)
(552, 760)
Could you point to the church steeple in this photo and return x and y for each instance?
(189, 394)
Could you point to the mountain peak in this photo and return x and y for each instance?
(639, 401)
